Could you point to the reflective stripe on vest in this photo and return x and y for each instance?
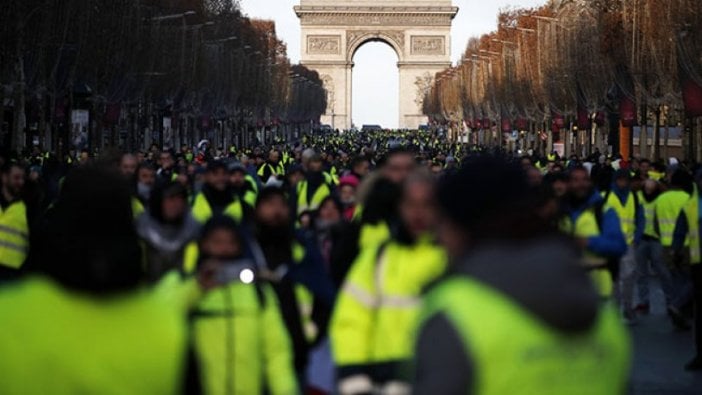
(626, 214)
(668, 208)
(514, 352)
(278, 170)
(14, 235)
(202, 211)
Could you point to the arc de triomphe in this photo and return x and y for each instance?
(418, 30)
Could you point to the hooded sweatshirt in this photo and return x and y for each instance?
(558, 292)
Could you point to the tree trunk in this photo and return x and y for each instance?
(656, 150)
(665, 141)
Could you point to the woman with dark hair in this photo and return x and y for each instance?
(166, 228)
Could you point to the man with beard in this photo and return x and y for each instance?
(216, 196)
(272, 168)
(14, 223)
(595, 228)
(166, 171)
(128, 166)
(166, 229)
(360, 167)
(316, 186)
(295, 269)
(145, 180)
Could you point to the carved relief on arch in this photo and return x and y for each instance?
(356, 38)
(328, 83)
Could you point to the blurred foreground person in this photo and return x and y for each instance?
(294, 267)
(241, 343)
(518, 314)
(81, 324)
(688, 228)
(378, 306)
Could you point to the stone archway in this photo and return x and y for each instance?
(418, 30)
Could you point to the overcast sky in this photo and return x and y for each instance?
(376, 62)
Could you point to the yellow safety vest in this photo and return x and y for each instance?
(14, 235)
(626, 214)
(514, 352)
(137, 207)
(586, 226)
(202, 211)
(668, 208)
(320, 194)
(649, 215)
(132, 343)
(379, 304)
(278, 170)
(235, 324)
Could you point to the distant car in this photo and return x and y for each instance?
(326, 128)
(371, 128)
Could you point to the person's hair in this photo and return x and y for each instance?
(88, 241)
(164, 190)
(490, 198)
(9, 165)
(357, 160)
(221, 221)
(682, 179)
(268, 193)
(576, 169)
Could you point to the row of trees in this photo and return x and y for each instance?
(164, 71)
(580, 64)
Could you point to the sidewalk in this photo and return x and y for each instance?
(660, 353)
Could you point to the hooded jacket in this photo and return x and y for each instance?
(165, 243)
(556, 290)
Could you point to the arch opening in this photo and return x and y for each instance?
(376, 84)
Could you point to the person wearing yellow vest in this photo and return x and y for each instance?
(595, 228)
(688, 227)
(81, 323)
(272, 168)
(378, 306)
(484, 329)
(314, 188)
(669, 206)
(295, 269)
(626, 204)
(649, 252)
(243, 184)
(14, 222)
(166, 171)
(240, 340)
(217, 197)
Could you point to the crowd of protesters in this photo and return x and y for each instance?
(382, 262)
